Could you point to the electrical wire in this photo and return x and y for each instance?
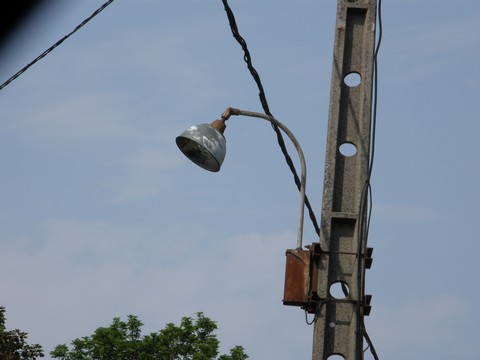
(263, 100)
(375, 85)
(310, 322)
(252, 70)
(46, 52)
(367, 197)
(318, 310)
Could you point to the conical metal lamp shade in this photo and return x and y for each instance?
(204, 145)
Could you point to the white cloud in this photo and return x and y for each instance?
(148, 173)
(85, 272)
(419, 324)
(92, 128)
(113, 94)
(77, 117)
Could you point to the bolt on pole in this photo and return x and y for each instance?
(343, 255)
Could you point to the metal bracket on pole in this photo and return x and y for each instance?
(338, 328)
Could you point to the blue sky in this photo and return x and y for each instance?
(101, 216)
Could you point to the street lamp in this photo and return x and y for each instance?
(205, 145)
(341, 255)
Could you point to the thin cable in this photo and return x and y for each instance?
(375, 86)
(310, 322)
(366, 201)
(46, 52)
(317, 313)
(370, 344)
(362, 236)
(263, 100)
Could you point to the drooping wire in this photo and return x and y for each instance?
(367, 197)
(375, 85)
(263, 101)
(370, 344)
(46, 52)
(318, 310)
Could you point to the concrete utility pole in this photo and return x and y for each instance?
(343, 255)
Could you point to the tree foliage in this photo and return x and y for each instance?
(13, 343)
(193, 339)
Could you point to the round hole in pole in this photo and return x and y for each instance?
(335, 357)
(352, 79)
(339, 290)
(348, 149)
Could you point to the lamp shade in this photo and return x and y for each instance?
(204, 145)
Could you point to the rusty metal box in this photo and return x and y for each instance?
(297, 277)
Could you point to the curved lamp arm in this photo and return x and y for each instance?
(303, 179)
